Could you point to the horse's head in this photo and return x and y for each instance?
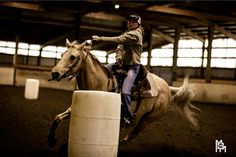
(71, 60)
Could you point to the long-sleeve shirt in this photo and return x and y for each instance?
(132, 44)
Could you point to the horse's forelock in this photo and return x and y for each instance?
(75, 45)
(74, 42)
(78, 47)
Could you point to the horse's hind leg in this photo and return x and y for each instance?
(141, 123)
(135, 127)
(56, 121)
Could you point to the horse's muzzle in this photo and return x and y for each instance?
(56, 76)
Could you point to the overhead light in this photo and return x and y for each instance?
(117, 6)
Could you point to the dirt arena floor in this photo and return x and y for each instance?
(24, 126)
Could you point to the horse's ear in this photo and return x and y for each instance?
(87, 45)
(68, 44)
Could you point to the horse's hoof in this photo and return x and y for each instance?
(122, 127)
(125, 123)
(123, 141)
(52, 141)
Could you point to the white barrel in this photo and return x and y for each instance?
(31, 89)
(94, 124)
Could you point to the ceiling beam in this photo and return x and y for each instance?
(101, 28)
(215, 7)
(146, 15)
(172, 23)
(163, 35)
(224, 31)
(183, 12)
(57, 39)
(220, 29)
(200, 16)
(21, 5)
(192, 34)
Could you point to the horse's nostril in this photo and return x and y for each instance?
(55, 75)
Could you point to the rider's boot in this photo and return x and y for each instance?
(127, 116)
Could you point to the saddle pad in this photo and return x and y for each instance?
(153, 91)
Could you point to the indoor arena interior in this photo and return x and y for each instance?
(181, 38)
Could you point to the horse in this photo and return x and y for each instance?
(77, 61)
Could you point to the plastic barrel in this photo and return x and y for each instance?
(94, 124)
(31, 89)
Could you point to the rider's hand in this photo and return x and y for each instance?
(95, 37)
(119, 62)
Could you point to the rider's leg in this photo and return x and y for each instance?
(126, 91)
(126, 101)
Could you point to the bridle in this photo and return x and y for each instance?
(74, 64)
(70, 69)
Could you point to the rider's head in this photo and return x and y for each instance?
(134, 21)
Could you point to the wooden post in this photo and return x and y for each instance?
(17, 39)
(149, 49)
(39, 57)
(77, 25)
(235, 73)
(106, 58)
(175, 54)
(209, 48)
(202, 65)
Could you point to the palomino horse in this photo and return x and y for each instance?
(92, 75)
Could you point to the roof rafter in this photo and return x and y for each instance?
(192, 34)
(21, 5)
(189, 13)
(200, 16)
(163, 35)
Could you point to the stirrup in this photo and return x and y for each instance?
(126, 121)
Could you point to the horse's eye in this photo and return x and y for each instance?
(62, 54)
(72, 57)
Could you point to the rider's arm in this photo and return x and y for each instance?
(127, 37)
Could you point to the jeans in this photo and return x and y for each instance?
(126, 88)
(130, 78)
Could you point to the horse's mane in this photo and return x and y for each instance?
(101, 65)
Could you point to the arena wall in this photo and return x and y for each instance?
(215, 92)
(6, 76)
(43, 76)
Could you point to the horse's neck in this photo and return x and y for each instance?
(92, 76)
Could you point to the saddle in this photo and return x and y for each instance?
(144, 85)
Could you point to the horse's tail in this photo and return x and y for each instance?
(181, 97)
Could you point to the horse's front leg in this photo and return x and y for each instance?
(56, 121)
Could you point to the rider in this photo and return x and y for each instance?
(129, 53)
